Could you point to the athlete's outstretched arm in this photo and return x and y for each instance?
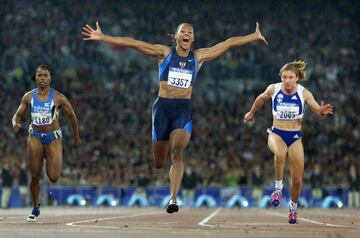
(207, 54)
(20, 112)
(259, 101)
(149, 49)
(64, 104)
(322, 109)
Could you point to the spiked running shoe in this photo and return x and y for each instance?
(34, 214)
(292, 218)
(276, 198)
(172, 207)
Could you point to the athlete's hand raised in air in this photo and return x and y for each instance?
(259, 35)
(90, 34)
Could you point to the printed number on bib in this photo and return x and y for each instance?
(287, 112)
(287, 115)
(41, 119)
(180, 78)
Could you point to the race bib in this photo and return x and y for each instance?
(41, 119)
(287, 112)
(180, 78)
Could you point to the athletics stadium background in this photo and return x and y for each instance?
(227, 162)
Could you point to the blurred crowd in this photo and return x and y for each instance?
(113, 89)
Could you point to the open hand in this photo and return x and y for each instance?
(325, 109)
(259, 35)
(90, 34)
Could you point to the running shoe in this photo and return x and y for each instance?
(292, 218)
(172, 207)
(34, 214)
(276, 198)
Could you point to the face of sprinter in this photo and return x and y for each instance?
(43, 78)
(184, 36)
(289, 79)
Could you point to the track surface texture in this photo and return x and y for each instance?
(187, 223)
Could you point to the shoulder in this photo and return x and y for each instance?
(197, 53)
(301, 88)
(271, 88)
(165, 50)
(27, 96)
(306, 93)
(59, 96)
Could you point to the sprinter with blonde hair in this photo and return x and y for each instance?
(288, 102)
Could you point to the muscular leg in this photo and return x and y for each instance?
(279, 149)
(179, 139)
(34, 159)
(296, 168)
(54, 160)
(160, 152)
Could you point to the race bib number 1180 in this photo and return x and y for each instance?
(180, 78)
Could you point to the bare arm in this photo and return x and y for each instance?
(157, 50)
(259, 101)
(211, 53)
(20, 112)
(322, 109)
(66, 106)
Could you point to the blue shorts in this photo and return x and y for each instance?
(169, 114)
(47, 137)
(288, 137)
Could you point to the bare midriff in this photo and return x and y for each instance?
(287, 125)
(52, 127)
(167, 91)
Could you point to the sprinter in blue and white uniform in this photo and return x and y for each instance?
(45, 136)
(288, 106)
(172, 113)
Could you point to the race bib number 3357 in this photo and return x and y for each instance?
(180, 78)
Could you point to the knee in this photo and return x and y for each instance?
(280, 158)
(35, 177)
(176, 154)
(53, 178)
(296, 182)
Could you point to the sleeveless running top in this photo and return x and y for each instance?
(43, 113)
(179, 72)
(288, 107)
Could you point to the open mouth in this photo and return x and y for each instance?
(186, 40)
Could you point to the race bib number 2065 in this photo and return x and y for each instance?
(180, 78)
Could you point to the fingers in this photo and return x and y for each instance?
(246, 119)
(87, 30)
(257, 26)
(86, 34)
(97, 25)
(265, 41)
(330, 107)
(89, 27)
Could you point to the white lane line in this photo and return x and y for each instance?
(206, 219)
(76, 223)
(12, 218)
(309, 220)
